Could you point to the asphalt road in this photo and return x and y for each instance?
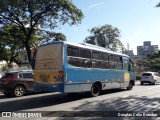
(142, 98)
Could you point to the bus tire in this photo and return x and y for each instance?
(95, 90)
(130, 86)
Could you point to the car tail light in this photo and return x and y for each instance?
(152, 77)
(8, 79)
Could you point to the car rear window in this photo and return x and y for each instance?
(146, 74)
(8, 75)
(27, 75)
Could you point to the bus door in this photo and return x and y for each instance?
(126, 64)
(132, 71)
(117, 72)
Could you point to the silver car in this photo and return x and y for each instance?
(150, 77)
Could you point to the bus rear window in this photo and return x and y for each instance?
(49, 52)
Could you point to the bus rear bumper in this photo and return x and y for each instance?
(49, 87)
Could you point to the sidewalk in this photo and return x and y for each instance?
(137, 82)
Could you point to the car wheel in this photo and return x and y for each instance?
(19, 91)
(130, 86)
(155, 82)
(95, 90)
(141, 83)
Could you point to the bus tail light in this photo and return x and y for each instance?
(60, 74)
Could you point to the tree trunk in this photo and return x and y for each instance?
(28, 49)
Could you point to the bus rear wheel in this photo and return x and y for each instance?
(95, 90)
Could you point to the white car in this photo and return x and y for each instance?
(150, 77)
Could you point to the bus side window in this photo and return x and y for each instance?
(119, 63)
(85, 53)
(85, 58)
(112, 61)
(126, 65)
(96, 59)
(72, 54)
(104, 61)
(73, 51)
(131, 66)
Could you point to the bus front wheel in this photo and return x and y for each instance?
(95, 90)
(130, 86)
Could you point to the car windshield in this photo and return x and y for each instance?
(147, 74)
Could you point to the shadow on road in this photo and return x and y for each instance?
(130, 103)
(23, 103)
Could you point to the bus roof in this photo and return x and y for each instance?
(87, 46)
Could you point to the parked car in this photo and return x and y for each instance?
(150, 77)
(17, 83)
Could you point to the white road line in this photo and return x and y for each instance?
(154, 87)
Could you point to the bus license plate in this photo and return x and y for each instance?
(44, 78)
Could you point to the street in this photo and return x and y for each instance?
(141, 98)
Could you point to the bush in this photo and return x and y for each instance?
(138, 77)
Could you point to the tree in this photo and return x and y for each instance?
(11, 43)
(158, 5)
(154, 60)
(32, 16)
(141, 66)
(106, 36)
(155, 63)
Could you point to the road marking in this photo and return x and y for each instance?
(125, 96)
(154, 87)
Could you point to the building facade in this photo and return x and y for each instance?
(146, 49)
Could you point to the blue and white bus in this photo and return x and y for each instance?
(69, 68)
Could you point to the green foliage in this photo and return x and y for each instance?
(155, 63)
(12, 42)
(5, 68)
(106, 36)
(32, 17)
(158, 5)
(154, 60)
(46, 36)
(138, 77)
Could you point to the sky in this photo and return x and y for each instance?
(137, 20)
